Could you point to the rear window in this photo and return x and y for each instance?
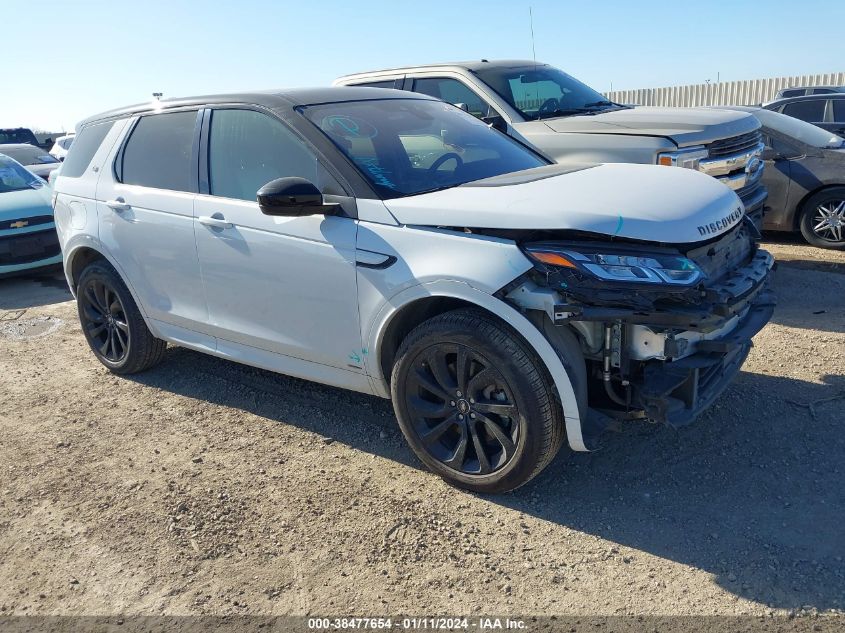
(84, 147)
(159, 153)
(811, 110)
(793, 93)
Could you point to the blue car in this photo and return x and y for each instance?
(28, 239)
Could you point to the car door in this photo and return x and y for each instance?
(778, 157)
(145, 205)
(280, 284)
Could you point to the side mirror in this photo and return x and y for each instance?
(770, 154)
(497, 122)
(292, 197)
(462, 106)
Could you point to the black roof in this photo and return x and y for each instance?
(267, 98)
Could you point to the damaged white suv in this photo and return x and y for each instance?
(392, 244)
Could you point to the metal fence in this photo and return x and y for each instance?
(748, 92)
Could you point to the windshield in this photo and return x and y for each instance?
(29, 155)
(13, 177)
(409, 146)
(798, 129)
(541, 92)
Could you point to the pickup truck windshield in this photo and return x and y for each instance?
(543, 92)
(405, 147)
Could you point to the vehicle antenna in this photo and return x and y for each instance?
(531, 24)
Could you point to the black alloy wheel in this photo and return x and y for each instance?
(462, 409)
(104, 320)
(113, 324)
(475, 402)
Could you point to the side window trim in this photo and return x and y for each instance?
(204, 141)
(117, 166)
(491, 110)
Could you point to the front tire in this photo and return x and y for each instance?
(475, 402)
(112, 323)
(823, 219)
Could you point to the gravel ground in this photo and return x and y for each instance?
(204, 487)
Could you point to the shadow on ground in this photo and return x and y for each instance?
(752, 493)
(32, 291)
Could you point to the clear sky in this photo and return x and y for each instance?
(67, 59)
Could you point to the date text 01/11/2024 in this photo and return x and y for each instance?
(417, 623)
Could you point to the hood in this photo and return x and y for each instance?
(17, 205)
(642, 202)
(685, 126)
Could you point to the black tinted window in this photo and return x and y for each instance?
(810, 110)
(839, 110)
(248, 149)
(453, 91)
(822, 91)
(159, 152)
(84, 147)
(799, 92)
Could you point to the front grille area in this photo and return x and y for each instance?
(735, 144)
(726, 254)
(19, 223)
(29, 247)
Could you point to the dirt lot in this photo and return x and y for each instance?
(204, 487)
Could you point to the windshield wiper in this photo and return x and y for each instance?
(566, 112)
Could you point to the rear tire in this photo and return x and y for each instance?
(475, 402)
(822, 220)
(112, 323)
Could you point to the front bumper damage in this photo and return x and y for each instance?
(675, 392)
(661, 358)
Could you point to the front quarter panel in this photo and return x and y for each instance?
(444, 263)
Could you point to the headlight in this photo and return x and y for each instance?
(625, 267)
(689, 157)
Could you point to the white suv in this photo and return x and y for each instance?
(392, 244)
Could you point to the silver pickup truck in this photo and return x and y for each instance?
(570, 122)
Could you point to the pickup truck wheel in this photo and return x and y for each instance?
(112, 323)
(475, 403)
(823, 219)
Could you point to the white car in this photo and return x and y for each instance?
(61, 146)
(392, 244)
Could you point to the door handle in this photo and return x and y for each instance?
(217, 223)
(118, 204)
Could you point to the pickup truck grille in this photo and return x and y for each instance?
(734, 145)
(737, 163)
(726, 254)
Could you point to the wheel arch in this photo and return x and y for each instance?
(80, 254)
(416, 304)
